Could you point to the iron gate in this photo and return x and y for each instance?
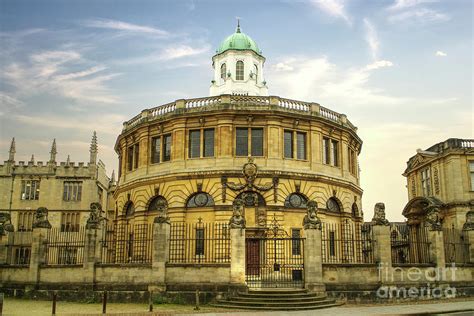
(274, 262)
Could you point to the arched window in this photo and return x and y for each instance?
(355, 210)
(129, 209)
(223, 71)
(251, 198)
(239, 70)
(156, 203)
(200, 199)
(256, 72)
(296, 200)
(333, 205)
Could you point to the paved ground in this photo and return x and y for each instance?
(20, 307)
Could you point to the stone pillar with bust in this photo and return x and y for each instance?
(382, 243)
(41, 227)
(5, 227)
(469, 233)
(92, 247)
(313, 264)
(160, 255)
(435, 236)
(237, 241)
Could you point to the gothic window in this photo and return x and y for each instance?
(72, 191)
(200, 199)
(296, 200)
(223, 71)
(332, 205)
(129, 209)
(30, 189)
(239, 70)
(25, 221)
(355, 210)
(157, 200)
(70, 221)
(249, 140)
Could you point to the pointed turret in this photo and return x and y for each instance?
(32, 160)
(93, 149)
(53, 152)
(12, 151)
(112, 178)
(68, 161)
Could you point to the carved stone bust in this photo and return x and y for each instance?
(41, 218)
(95, 216)
(237, 220)
(432, 218)
(311, 220)
(379, 215)
(162, 208)
(5, 223)
(469, 225)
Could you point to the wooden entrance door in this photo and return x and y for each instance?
(252, 257)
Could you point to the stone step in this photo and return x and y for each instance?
(271, 308)
(300, 298)
(274, 303)
(276, 295)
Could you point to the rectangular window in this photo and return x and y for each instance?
(352, 156)
(295, 242)
(136, 153)
(72, 190)
(208, 143)
(130, 158)
(167, 147)
(326, 151)
(199, 241)
(30, 189)
(239, 71)
(70, 221)
(242, 142)
(301, 145)
(426, 181)
(133, 154)
(25, 221)
(332, 244)
(257, 142)
(335, 153)
(471, 171)
(288, 144)
(194, 144)
(156, 149)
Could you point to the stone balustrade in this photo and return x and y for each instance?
(265, 103)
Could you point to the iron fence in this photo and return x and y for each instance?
(19, 248)
(199, 243)
(456, 245)
(127, 244)
(65, 248)
(347, 242)
(409, 244)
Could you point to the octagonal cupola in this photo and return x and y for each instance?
(238, 67)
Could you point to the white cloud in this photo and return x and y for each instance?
(371, 38)
(283, 67)
(404, 4)
(175, 52)
(379, 64)
(51, 72)
(124, 26)
(334, 8)
(423, 15)
(441, 54)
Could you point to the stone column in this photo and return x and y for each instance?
(161, 236)
(237, 256)
(38, 253)
(382, 244)
(313, 263)
(469, 233)
(92, 252)
(436, 240)
(3, 248)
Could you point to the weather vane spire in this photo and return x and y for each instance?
(238, 25)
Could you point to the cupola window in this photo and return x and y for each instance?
(223, 71)
(239, 70)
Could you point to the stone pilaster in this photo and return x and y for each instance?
(237, 256)
(313, 263)
(436, 240)
(38, 253)
(3, 248)
(160, 256)
(382, 251)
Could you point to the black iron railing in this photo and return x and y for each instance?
(19, 248)
(456, 245)
(410, 244)
(65, 248)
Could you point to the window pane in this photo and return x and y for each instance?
(257, 142)
(295, 242)
(130, 158)
(326, 152)
(239, 71)
(199, 241)
(242, 142)
(223, 71)
(288, 144)
(301, 145)
(209, 143)
(167, 148)
(194, 144)
(155, 149)
(335, 153)
(137, 155)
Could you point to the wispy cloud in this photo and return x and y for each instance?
(413, 10)
(124, 26)
(334, 8)
(379, 64)
(8, 103)
(440, 53)
(175, 52)
(51, 72)
(404, 4)
(371, 38)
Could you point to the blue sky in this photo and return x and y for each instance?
(400, 69)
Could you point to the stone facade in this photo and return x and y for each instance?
(443, 177)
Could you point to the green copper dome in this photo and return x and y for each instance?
(238, 41)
